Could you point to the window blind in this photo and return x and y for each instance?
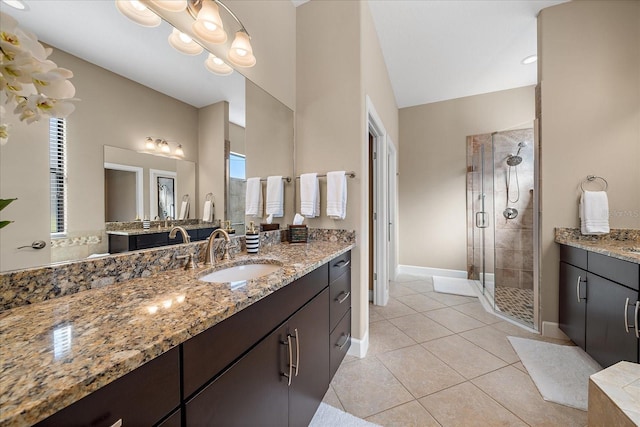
(58, 175)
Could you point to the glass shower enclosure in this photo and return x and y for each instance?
(500, 189)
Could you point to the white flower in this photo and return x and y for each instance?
(54, 83)
(34, 107)
(4, 133)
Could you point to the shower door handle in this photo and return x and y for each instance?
(481, 221)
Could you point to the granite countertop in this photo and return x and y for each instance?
(621, 244)
(55, 352)
(153, 230)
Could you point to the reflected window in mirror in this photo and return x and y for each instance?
(58, 176)
(237, 188)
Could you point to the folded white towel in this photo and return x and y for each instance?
(594, 212)
(207, 214)
(184, 210)
(337, 195)
(309, 195)
(253, 200)
(275, 196)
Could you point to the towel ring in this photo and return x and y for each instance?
(591, 178)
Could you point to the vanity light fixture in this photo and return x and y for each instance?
(184, 43)
(179, 151)
(217, 66)
(170, 5)
(529, 59)
(138, 13)
(161, 146)
(208, 24)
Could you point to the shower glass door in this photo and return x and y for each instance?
(480, 194)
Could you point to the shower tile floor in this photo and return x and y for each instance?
(442, 360)
(516, 303)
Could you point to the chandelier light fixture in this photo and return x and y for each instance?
(206, 27)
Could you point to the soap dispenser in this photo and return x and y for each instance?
(230, 231)
(252, 238)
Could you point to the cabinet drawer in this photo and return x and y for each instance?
(340, 342)
(154, 240)
(573, 256)
(340, 299)
(208, 353)
(339, 265)
(617, 270)
(142, 397)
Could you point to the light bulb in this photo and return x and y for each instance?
(138, 13)
(241, 52)
(184, 43)
(208, 24)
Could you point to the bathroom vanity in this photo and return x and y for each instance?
(599, 301)
(133, 240)
(172, 350)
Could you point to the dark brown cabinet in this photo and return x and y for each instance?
(597, 304)
(124, 243)
(340, 310)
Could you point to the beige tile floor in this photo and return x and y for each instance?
(442, 360)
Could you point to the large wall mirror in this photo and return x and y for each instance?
(132, 85)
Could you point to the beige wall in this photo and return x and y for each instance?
(432, 181)
(338, 65)
(237, 138)
(589, 62)
(213, 131)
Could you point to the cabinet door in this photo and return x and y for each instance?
(572, 305)
(252, 392)
(607, 340)
(312, 356)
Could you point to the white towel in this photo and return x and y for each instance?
(253, 200)
(594, 212)
(207, 214)
(337, 195)
(275, 196)
(184, 210)
(309, 195)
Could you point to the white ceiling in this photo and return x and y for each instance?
(446, 49)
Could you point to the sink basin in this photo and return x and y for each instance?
(241, 272)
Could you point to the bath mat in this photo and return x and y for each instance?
(328, 416)
(453, 285)
(560, 372)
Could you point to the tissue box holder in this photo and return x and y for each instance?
(298, 233)
(269, 227)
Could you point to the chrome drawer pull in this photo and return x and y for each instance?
(297, 352)
(341, 264)
(578, 288)
(341, 346)
(637, 309)
(117, 423)
(626, 321)
(284, 374)
(344, 298)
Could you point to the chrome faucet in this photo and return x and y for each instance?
(210, 257)
(185, 236)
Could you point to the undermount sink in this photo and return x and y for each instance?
(241, 272)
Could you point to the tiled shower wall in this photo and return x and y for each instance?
(510, 239)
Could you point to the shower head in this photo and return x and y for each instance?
(514, 160)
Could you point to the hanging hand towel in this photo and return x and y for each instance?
(275, 196)
(207, 214)
(309, 195)
(337, 195)
(253, 201)
(184, 210)
(594, 212)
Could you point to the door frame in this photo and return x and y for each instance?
(139, 183)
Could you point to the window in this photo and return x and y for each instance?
(58, 175)
(237, 164)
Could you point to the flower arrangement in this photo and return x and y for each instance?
(32, 84)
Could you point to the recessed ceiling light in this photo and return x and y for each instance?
(530, 59)
(18, 4)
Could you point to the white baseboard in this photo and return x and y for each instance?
(415, 270)
(552, 330)
(358, 347)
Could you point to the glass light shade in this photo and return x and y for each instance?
(15, 4)
(138, 13)
(164, 147)
(149, 144)
(208, 25)
(183, 43)
(217, 66)
(241, 53)
(179, 151)
(170, 5)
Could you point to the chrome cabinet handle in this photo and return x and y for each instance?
(578, 289)
(341, 346)
(297, 365)
(344, 298)
(626, 321)
(636, 319)
(342, 264)
(290, 374)
(117, 423)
